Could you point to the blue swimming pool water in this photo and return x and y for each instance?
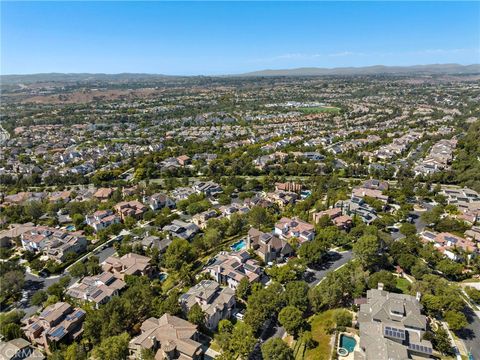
(71, 228)
(347, 342)
(239, 245)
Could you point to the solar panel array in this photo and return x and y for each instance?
(421, 348)
(394, 332)
(59, 332)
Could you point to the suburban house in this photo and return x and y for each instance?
(128, 264)
(133, 208)
(391, 327)
(282, 198)
(209, 188)
(473, 233)
(159, 201)
(230, 268)
(169, 337)
(60, 196)
(217, 303)
(101, 219)
(98, 289)
(181, 229)
(376, 185)
(103, 194)
(19, 349)
(152, 241)
(54, 243)
(365, 192)
(288, 186)
(466, 200)
(288, 228)
(335, 215)
(14, 231)
(446, 242)
(183, 160)
(358, 207)
(182, 193)
(57, 322)
(268, 246)
(201, 219)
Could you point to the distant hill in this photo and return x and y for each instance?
(312, 71)
(372, 70)
(78, 77)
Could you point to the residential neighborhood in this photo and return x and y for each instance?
(314, 217)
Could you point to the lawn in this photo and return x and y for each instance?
(320, 109)
(319, 323)
(403, 285)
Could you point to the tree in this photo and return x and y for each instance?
(235, 341)
(450, 268)
(308, 340)
(291, 319)
(343, 318)
(432, 216)
(293, 270)
(78, 270)
(38, 298)
(56, 290)
(196, 315)
(129, 222)
(312, 252)
(408, 229)
(456, 320)
(170, 305)
(112, 348)
(179, 253)
(258, 217)
(212, 237)
(243, 289)
(338, 288)
(441, 341)
(262, 304)
(385, 277)
(78, 220)
(366, 250)
(75, 351)
(12, 284)
(276, 349)
(34, 209)
(11, 331)
(324, 221)
(296, 294)
(93, 265)
(473, 294)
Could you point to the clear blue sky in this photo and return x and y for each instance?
(233, 37)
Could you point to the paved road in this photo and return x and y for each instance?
(338, 259)
(471, 335)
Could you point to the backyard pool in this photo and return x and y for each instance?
(347, 342)
(239, 245)
(71, 228)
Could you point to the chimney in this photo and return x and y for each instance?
(418, 296)
(380, 286)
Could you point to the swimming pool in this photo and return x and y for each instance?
(71, 228)
(239, 245)
(347, 342)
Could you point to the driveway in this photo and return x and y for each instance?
(338, 259)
